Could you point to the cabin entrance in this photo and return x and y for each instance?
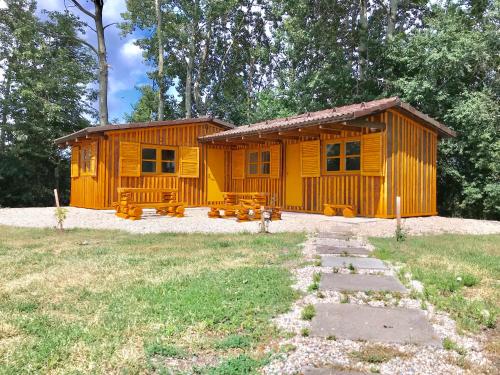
(215, 174)
(293, 179)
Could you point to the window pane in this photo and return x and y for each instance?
(333, 149)
(333, 164)
(167, 155)
(352, 148)
(149, 153)
(253, 157)
(252, 169)
(265, 156)
(168, 167)
(352, 163)
(149, 166)
(265, 168)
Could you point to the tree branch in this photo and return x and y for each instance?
(85, 43)
(110, 24)
(82, 9)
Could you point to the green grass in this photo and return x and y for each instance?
(460, 273)
(308, 312)
(87, 301)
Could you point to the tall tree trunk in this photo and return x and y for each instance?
(189, 73)
(251, 69)
(103, 64)
(5, 111)
(198, 101)
(363, 38)
(161, 81)
(391, 18)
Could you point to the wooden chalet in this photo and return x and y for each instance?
(363, 155)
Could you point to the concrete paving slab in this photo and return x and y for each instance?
(360, 283)
(345, 236)
(339, 242)
(361, 263)
(330, 371)
(376, 324)
(341, 250)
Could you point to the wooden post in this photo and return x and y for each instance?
(56, 195)
(398, 212)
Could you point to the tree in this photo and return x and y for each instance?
(39, 105)
(161, 80)
(100, 51)
(147, 106)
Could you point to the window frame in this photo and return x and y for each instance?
(158, 161)
(85, 160)
(259, 163)
(343, 156)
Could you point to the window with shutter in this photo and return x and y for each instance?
(238, 164)
(75, 161)
(130, 159)
(189, 162)
(275, 161)
(310, 158)
(93, 159)
(371, 155)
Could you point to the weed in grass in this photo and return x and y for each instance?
(316, 277)
(314, 286)
(287, 348)
(308, 312)
(449, 344)
(234, 341)
(317, 263)
(304, 332)
(423, 305)
(377, 354)
(469, 280)
(242, 364)
(165, 350)
(400, 234)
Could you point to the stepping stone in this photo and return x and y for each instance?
(336, 235)
(330, 371)
(362, 263)
(360, 283)
(360, 322)
(336, 242)
(341, 250)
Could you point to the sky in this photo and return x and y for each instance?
(127, 68)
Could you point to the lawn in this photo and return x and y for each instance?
(460, 273)
(111, 302)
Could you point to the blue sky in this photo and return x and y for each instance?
(127, 68)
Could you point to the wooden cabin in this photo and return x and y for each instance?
(364, 155)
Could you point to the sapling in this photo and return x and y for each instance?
(60, 213)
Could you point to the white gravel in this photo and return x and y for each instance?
(196, 220)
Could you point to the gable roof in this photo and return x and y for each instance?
(135, 125)
(333, 115)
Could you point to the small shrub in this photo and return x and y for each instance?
(449, 344)
(313, 287)
(304, 332)
(469, 280)
(400, 234)
(308, 312)
(61, 214)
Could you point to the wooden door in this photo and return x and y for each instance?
(293, 179)
(215, 175)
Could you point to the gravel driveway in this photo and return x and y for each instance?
(196, 220)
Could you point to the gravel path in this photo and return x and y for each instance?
(299, 351)
(196, 220)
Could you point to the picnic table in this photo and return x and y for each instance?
(132, 201)
(244, 206)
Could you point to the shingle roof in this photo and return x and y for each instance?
(333, 115)
(133, 125)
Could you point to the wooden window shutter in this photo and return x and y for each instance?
(189, 162)
(275, 161)
(93, 159)
(130, 159)
(75, 161)
(371, 155)
(238, 164)
(310, 159)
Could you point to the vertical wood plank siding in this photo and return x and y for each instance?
(411, 166)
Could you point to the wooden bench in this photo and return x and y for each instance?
(132, 201)
(240, 204)
(347, 209)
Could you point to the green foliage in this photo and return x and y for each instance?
(146, 108)
(308, 312)
(449, 344)
(234, 341)
(60, 213)
(400, 234)
(238, 365)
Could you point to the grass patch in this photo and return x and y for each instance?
(377, 354)
(308, 312)
(460, 273)
(88, 301)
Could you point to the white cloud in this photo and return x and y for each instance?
(3, 4)
(131, 51)
(113, 9)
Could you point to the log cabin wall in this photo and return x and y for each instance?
(100, 191)
(411, 150)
